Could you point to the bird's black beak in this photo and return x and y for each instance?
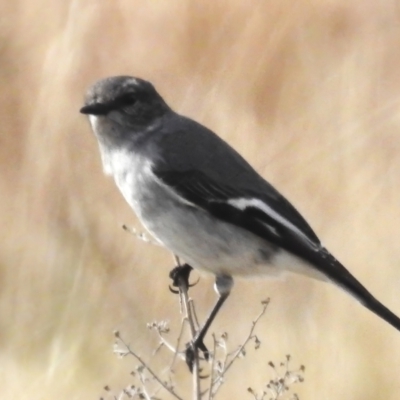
(95, 109)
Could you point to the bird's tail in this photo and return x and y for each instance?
(337, 273)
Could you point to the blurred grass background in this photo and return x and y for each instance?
(308, 91)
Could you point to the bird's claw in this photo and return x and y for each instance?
(180, 276)
(191, 348)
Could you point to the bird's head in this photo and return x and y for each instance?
(124, 100)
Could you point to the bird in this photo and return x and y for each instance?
(201, 199)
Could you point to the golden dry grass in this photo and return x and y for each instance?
(308, 91)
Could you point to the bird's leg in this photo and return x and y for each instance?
(223, 286)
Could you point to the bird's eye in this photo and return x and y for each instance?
(127, 99)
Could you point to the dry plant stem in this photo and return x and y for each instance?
(174, 350)
(212, 379)
(151, 372)
(169, 346)
(178, 343)
(194, 314)
(216, 382)
(249, 337)
(142, 380)
(183, 292)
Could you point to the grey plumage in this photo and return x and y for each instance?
(200, 198)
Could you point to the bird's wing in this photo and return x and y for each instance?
(272, 221)
(267, 215)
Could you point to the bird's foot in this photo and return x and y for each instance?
(180, 277)
(194, 347)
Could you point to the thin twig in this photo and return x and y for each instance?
(183, 292)
(164, 342)
(144, 390)
(177, 353)
(225, 364)
(194, 314)
(153, 374)
(250, 335)
(212, 381)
